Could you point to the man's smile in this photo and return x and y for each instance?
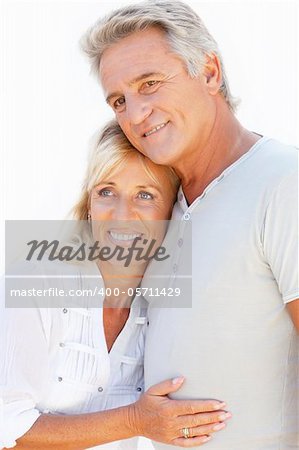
(155, 129)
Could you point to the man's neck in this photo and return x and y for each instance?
(227, 142)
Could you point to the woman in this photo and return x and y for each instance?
(72, 378)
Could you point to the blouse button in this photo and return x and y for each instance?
(64, 310)
(59, 379)
(186, 216)
(61, 344)
(100, 389)
(139, 389)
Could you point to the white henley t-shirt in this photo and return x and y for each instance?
(237, 342)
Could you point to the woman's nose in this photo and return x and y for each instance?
(124, 211)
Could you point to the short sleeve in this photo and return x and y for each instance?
(23, 369)
(280, 239)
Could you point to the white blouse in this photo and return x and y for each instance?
(55, 360)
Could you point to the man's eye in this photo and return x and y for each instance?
(119, 103)
(145, 196)
(150, 83)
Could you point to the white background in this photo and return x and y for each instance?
(50, 105)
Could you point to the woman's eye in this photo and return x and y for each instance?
(119, 103)
(145, 196)
(105, 193)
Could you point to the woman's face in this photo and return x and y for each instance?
(130, 205)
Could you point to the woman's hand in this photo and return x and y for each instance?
(159, 418)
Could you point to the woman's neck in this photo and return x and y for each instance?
(121, 282)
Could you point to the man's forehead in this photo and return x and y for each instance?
(135, 49)
(129, 74)
(140, 55)
(123, 72)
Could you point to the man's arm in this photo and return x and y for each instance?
(293, 309)
(280, 240)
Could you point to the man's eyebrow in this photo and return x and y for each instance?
(144, 76)
(141, 77)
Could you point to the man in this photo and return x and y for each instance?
(163, 75)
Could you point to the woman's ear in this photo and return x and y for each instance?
(212, 74)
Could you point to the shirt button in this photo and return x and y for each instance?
(61, 344)
(100, 389)
(59, 379)
(186, 216)
(139, 389)
(180, 242)
(64, 310)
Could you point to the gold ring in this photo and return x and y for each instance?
(186, 433)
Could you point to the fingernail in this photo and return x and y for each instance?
(220, 405)
(219, 426)
(206, 438)
(178, 380)
(225, 416)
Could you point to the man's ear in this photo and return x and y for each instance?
(212, 74)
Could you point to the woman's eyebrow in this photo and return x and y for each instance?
(152, 186)
(110, 183)
(140, 186)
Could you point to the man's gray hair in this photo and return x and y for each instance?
(185, 32)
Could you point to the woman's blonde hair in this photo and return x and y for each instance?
(112, 151)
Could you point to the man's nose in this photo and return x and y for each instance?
(138, 108)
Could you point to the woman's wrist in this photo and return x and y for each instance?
(131, 420)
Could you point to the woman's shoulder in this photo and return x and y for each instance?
(49, 284)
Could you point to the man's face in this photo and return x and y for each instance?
(165, 113)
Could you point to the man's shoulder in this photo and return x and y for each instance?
(266, 165)
(279, 158)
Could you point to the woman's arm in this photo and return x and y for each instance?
(24, 366)
(154, 415)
